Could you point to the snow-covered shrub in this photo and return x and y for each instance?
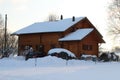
(88, 57)
(61, 53)
(105, 56)
(114, 56)
(34, 55)
(64, 55)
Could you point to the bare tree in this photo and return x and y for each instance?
(114, 18)
(11, 44)
(1, 32)
(1, 21)
(52, 17)
(116, 49)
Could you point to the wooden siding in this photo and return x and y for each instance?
(77, 46)
(82, 24)
(34, 40)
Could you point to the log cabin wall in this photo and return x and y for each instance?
(27, 40)
(48, 40)
(77, 47)
(88, 45)
(85, 23)
(72, 46)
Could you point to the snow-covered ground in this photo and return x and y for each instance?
(52, 68)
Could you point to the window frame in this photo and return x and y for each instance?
(87, 47)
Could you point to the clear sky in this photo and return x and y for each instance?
(22, 13)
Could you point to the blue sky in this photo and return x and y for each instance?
(22, 13)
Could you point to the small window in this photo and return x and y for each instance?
(87, 47)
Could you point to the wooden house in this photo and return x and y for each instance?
(78, 35)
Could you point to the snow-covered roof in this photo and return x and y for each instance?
(77, 35)
(53, 26)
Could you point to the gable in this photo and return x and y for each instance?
(87, 24)
(83, 24)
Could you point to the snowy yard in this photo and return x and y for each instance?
(52, 68)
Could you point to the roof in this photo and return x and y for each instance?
(54, 26)
(77, 35)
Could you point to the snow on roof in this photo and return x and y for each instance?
(77, 35)
(54, 26)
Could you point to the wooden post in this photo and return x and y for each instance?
(35, 61)
(5, 35)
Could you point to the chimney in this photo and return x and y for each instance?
(73, 19)
(61, 17)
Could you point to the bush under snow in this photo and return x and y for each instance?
(62, 53)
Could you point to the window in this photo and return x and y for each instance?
(87, 47)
